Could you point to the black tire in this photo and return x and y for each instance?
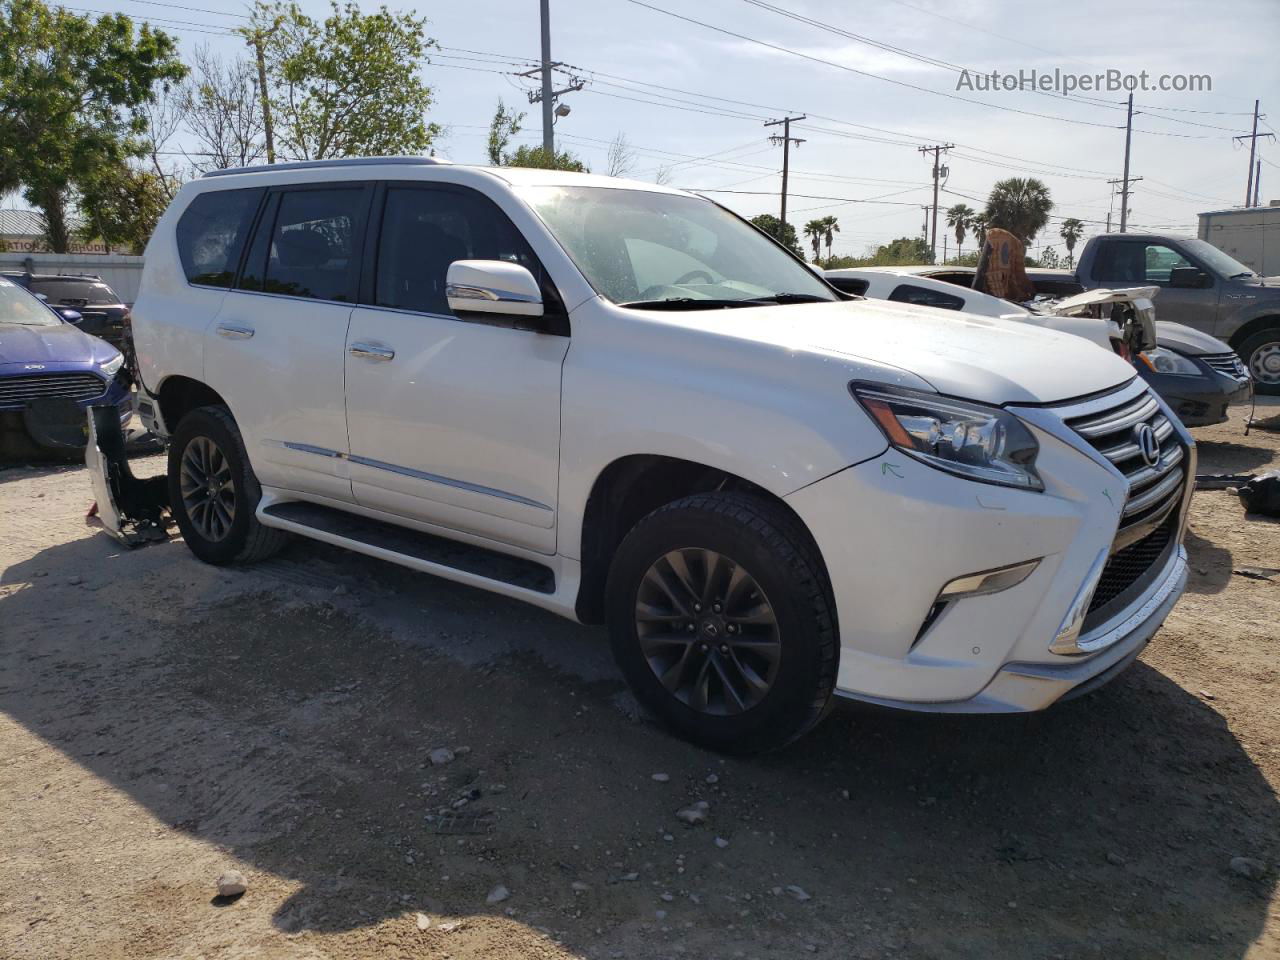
(243, 539)
(777, 554)
(1269, 338)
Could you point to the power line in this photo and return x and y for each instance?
(899, 83)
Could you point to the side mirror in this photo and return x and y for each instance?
(493, 287)
(71, 316)
(1189, 278)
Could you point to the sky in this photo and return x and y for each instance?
(876, 80)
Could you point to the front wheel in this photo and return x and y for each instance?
(721, 620)
(213, 492)
(1261, 354)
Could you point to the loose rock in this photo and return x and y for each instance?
(440, 756)
(232, 884)
(423, 921)
(1248, 867)
(661, 777)
(721, 842)
(695, 813)
(798, 893)
(497, 894)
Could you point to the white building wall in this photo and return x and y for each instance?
(123, 274)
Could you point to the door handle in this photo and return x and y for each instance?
(234, 331)
(371, 351)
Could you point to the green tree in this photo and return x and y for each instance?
(830, 227)
(1020, 205)
(904, 251)
(773, 227)
(813, 232)
(121, 206)
(72, 90)
(959, 219)
(1049, 259)
(505, 126)
(349, 85)
(1071, 232)
(978, 224)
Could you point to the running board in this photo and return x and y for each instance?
(462, 562)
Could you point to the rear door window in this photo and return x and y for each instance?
(211, 235)
(74, 292)
(312, 248)
(923, 296)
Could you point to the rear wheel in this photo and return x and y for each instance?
(721, 620)
(213, 492)
(1261, 354)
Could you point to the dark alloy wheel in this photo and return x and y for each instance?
(722, 620)
(213, 491)
(707, 631)
(208, 488)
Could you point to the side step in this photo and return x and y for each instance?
(422, 551)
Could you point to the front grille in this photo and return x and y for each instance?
(74, 386)
(1128, 565)
(1110, 425)
(1227, 363)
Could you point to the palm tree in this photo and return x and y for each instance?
(978, 224)
(830, 227)
(1019, 205)
(960, 218)
(814, 231)
(1071, 232)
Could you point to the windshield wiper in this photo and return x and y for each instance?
(791, 298)
(686, 303)
(1240, 276)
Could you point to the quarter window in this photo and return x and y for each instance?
(312, 250)
(211, 235)
(425, 229)
(923, 296)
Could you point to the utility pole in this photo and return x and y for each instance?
(1257, 185)
(1125, 193)
(1250, 198)
(936, 150)
(547, 95)
(268, 130)
(1124, 189)
(548, 137)
(786, 140)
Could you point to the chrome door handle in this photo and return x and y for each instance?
(234, 331)
(371, 351)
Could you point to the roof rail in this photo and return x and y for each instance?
(334, 162)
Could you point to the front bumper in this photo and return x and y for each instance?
(1199, 401)
(893, 532)
(55, 423)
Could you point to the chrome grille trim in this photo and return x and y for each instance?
(1117, 419)
(1227, 363)
(75, 386)
(1126, 451)
(1147, 475)
(1170, 484)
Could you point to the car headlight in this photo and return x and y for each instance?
(1164, 360)
(969, 439)
(112, 366)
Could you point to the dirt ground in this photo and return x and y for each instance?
(162, 721)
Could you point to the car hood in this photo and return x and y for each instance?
(964, 355)
(62, 343)
(1188, 340)
(1272, 283)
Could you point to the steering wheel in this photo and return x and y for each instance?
(693, 275)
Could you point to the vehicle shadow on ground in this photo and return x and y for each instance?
(1210, 564)
(1223, 456)
(296, 735)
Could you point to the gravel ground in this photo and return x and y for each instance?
(163, 722)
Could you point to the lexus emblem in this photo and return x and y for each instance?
(1148, 443)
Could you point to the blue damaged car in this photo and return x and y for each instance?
(50, 372)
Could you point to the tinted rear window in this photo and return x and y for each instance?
(211, 234)
(72, 292)
(910, 293)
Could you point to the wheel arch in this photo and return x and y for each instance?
(630, 488)
(179, 395)
(1254, 326)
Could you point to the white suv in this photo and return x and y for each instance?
(625, 404)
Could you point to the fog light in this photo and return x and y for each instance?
(1069, 633)
(988, 581)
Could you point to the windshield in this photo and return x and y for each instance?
(644, 248)
(74, 293)
(18, 306)
(1217, 261)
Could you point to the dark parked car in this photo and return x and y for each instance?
(50, 371)
(102, 314)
